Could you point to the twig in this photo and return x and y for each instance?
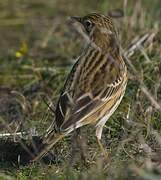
(130, 51)
(45, 41)
(140, 47)
(143, 87)
(19, 134)
(19, 140)
(23, 134)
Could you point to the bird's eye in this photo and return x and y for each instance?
(88, 25)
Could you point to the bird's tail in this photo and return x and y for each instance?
(47, 145)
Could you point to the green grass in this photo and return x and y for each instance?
(38, 48)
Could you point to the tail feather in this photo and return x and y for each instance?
(47, 146)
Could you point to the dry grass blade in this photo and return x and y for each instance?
(143, 87)
(134, 46)
(23, 134)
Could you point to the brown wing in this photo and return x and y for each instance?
(90, 89)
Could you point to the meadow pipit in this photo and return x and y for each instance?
(95, 86)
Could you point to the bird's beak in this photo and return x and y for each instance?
(77, 19)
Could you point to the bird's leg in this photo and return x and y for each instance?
(98, 135)
(104, 151)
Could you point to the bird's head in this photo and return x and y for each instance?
(99, 28)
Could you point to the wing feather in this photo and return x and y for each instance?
(85, 106)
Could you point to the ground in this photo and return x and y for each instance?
(38, 48)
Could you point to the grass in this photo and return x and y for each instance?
(38, 48)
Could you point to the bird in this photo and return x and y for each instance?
(95, 85)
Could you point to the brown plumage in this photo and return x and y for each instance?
(96, 84)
